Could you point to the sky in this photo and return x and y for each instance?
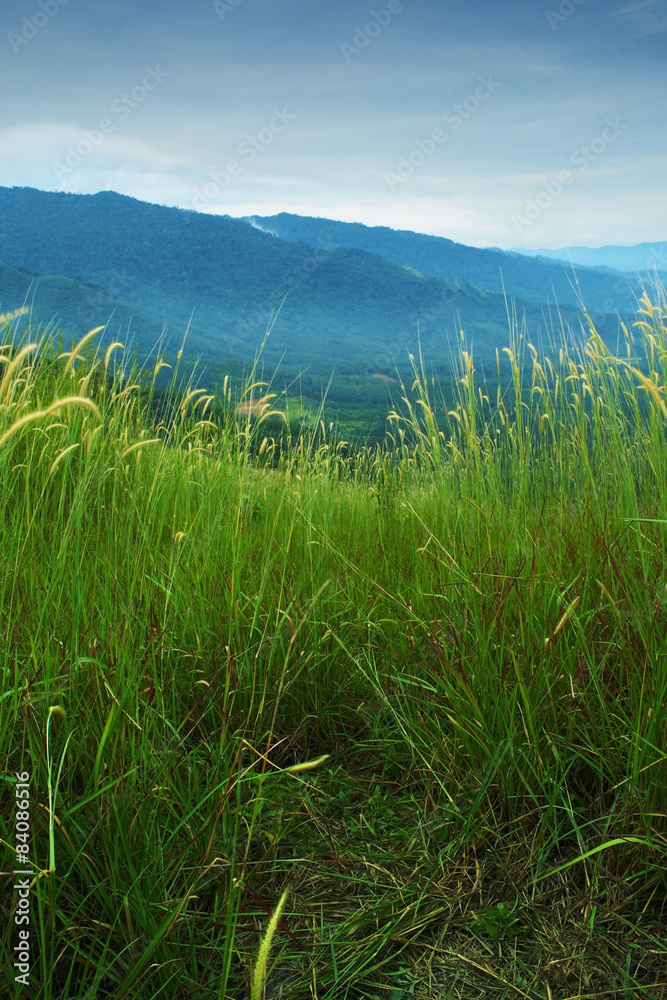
(537, 123)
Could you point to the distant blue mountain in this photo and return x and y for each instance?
(346, 304)
(640, 258)
(352, 302)
(436, 257)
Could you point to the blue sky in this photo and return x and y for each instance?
(537, 124)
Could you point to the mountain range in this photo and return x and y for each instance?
(348, 303)
(642, 258)
(501, 271)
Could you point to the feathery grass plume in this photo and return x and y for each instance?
(255, 407)
(62, 455)
(107, 354)
(6, 318)
(74, 354)
(140, 444)
(184, 630)
(13, 365)
(562, 622)
(55, 712)
(259, 973)
(308, 765)
(192, 394)
(49, 411)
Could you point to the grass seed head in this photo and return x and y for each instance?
(259, 974)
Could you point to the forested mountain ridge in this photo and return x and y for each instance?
(641, 258)
(342, 305)
(347, 318)
(536, 280)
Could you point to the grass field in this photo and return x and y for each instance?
(421, 690)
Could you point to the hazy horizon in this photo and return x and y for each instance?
(492, 126)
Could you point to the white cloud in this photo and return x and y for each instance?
(648, 17)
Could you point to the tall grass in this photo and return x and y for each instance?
(469, 624)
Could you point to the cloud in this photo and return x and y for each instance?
(263, 229)
(648, 17)
(353, 122)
